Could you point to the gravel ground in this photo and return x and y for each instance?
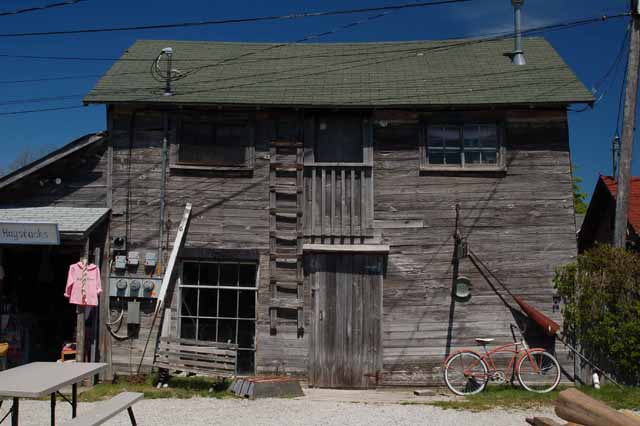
(318, 407)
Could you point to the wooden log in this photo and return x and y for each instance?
(545, 421)
(574, 406)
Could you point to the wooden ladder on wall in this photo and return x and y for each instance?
(286, 184)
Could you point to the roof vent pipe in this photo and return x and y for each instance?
(518, 55)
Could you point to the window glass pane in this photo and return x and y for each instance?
(187, 328)
(229, 274)
(435, 135)
(246, 333)
(452, 158)
(246, 362)
(208, 274)
(189, 273)
(227, 331)
(207, 330)
(203, 143)
(247, 306)
(189, 298)
(247, 275)
(452, 137)
(436, 157)
(339, 139)
(471, 137)
(472, 157)
(489, 157)
(228, 304)
(208, 302)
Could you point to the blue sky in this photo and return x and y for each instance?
(589, 50)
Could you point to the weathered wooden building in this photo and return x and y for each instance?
(324, 180)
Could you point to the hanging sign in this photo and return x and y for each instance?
(29, 233)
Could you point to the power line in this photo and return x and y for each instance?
(30, 111)
(356, 63)
(290, 16)
(37, 8)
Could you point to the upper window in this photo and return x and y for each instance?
(469, 145)
(203, 143)
(339, 139)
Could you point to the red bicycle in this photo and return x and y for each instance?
(466, 372)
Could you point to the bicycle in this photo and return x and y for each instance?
(467, 373)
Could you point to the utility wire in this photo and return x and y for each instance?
(290, 16)
(29, 111)
(37, 8)
(565, 25)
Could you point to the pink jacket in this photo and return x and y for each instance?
(92, 287)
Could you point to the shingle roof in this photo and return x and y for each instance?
(634, 199)
(70, 220)
(411, 74)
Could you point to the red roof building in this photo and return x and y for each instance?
(599, 221)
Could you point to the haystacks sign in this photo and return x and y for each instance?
(29, 233)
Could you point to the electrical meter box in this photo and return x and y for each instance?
(133, 258)
(135, 287)
(150, 259)
(121, 262)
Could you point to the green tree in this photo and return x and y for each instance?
(601, 295)
(579, 197)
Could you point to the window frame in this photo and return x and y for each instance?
(248, 124)
(238, 289)
(499, 166)
(366, 133)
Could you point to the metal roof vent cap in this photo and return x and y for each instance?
(517, 57)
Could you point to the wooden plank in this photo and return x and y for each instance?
(323, 209)
(199, 350)
(333, 201)
(106, 410)
(574, 406)
(343, 210)
(178, 244)
(314, 201)
(347, 248)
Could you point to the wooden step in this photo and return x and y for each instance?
(288, 282)
(286, 144)
(286, 236)
(286, 257)
(285, 213)
(285, 189)
(291, 167)
(291, 303)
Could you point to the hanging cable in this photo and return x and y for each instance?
(46, 6)
(291, 16)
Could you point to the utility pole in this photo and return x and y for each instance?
(628, 130)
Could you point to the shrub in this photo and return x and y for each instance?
(601, 294)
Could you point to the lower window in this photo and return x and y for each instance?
(218, 304)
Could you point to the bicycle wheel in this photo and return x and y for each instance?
(465, 373)
(539, 372)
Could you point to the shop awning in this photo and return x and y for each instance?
(72, 222)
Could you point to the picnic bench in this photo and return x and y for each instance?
(206, 358)
(108, 409)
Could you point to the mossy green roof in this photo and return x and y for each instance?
(359, 75)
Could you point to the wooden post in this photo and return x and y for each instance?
(626, 148)
(80, 315)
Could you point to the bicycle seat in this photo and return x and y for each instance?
(484, 341)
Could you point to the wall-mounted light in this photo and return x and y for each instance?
(462, 289)
(323, 126)
(382, 123)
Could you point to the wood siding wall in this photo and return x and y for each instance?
(520, 223)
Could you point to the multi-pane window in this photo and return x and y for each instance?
(203, 143)
(218, 304)
(463, 145)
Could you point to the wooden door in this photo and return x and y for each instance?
(346, 329)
